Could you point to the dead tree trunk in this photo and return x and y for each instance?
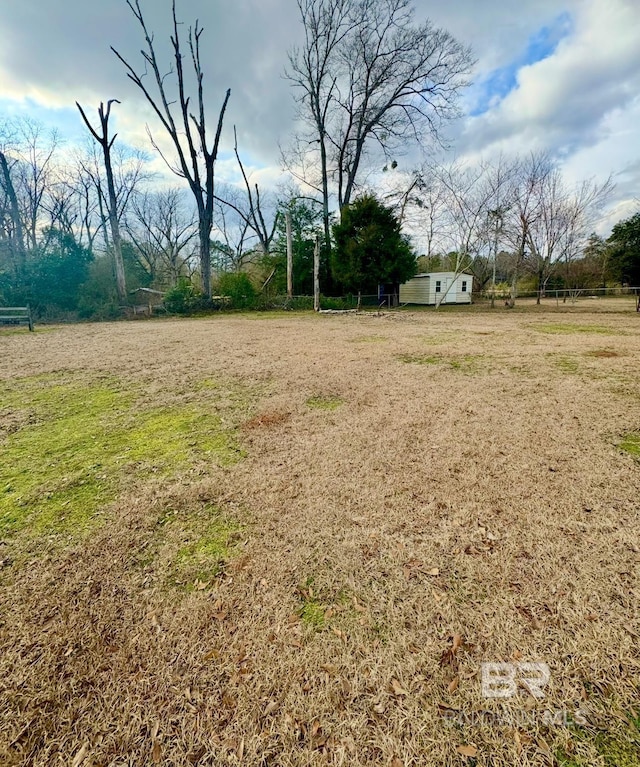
(14, 211)
(187, 129)
(114, 224)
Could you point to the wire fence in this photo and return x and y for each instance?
(564, 295)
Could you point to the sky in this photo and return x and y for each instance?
(558, 75)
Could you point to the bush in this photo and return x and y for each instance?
(183, 299)
(238, 288)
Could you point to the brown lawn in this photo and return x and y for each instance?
(413, 495)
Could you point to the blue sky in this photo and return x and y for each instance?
(494, 86)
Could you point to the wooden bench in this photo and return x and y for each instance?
(16, 315)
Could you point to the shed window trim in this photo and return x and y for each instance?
(438, 286)
(464, 286)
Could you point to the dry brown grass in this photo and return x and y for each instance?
(464, 501)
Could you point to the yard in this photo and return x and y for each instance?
(296, 539)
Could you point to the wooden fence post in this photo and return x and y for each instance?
(287, 218)
(316, 275)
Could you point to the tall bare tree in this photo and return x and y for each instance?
(112, 203)
(187, 129)
(369, 76)
(314, 71)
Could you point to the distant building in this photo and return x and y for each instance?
(437, 288)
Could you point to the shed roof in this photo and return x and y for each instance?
(443, 274)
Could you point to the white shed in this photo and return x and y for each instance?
(437, 288)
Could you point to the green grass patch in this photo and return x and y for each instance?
(206, 545)
(570, 328)
(566, 364)
(312, 611)
(72, 445)
(617, 752)
(324, 402)
(611, 749)
(631, 444)
(467, 363)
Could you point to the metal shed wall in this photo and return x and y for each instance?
(422, 289)
(416, 291)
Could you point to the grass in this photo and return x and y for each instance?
(467, 363)
(324, 402)
(325, 599)
(565, 363)
(612, 749)
(569, 328)
(209, 547)
(631, 444)
(77, 442)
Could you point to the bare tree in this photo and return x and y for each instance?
(187, 131)
(234, 244)
(163, 230)
(367, 76)
(112, 203)
(314, 71)
(250, 210)
(11, 231)
(33, 201)
(553, 220)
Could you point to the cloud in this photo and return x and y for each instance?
(561, 102)
(500, 82)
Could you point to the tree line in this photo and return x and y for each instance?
(82, 229)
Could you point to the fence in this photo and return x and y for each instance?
(568, 294)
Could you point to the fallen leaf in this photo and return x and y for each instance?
(467, 750)
(195, 756)
(379, 707)
(396, 762)
(457, 642)
(453, 685)
(397, 688)
(434, 571)
(80, 756)
(358, 607)
(156, 752)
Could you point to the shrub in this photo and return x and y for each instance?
(238, 288)
(183, 299)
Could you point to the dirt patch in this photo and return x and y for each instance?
(272, 418)
(603, 353)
